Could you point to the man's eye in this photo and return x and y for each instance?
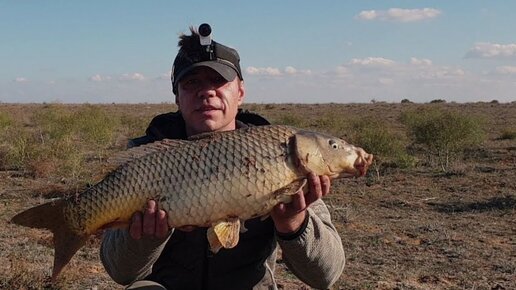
(219, 80)
(190, 83)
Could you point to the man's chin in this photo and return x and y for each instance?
(207, 125)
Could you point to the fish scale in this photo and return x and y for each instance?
(228, 180)
(213, 180)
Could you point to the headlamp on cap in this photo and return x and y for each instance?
(207, 53)
(205, 40)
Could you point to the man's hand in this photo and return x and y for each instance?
(288, 218)
(152, 222)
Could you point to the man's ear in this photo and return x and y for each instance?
(177, 101)
(241, 92)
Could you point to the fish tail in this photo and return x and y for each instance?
(50, 216)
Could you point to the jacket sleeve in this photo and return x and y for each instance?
(126, 259)
(316, 255)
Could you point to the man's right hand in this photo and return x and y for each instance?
(152, 222)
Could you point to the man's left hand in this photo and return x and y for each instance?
(289, 217)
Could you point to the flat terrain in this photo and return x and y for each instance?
(413, 228)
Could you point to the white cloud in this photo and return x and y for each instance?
(267, 71)
(165, 76)
(252, 70)
(276, 72)
(505, 70)
(386, 81)
(420, 61)
(353, 80)
(124, 77)
(491, 50)
(20, 80)
(290, 70)
(372, 61)
(440, 73)
(378, 70)
(97, 78)
(132, 77)
(368, 15)
(399, 14)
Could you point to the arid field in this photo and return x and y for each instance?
(421, 219)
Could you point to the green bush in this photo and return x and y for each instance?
(53, 122)
(91, 125)
(95, 126)
(5, 121)
(59, 140)
(444, 134)
(19, 150)
(331, 123)
(379, 139)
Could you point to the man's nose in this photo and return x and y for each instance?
(207, 90)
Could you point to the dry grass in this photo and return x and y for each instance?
(415, 228)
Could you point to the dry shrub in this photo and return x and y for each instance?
(20, 148)
(444, 134)
(95, 126)
(4, 151)
(14, 143)
(42, 168)
(289, 120)
(57, 141)
(269, 107)
(331, 123)
(132, 125)
(5, 120)
(90, 124)
(387, 146)
(62, 139)
(53, 122)
(23, 275)
(508, 134)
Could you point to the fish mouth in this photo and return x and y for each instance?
(360, 166)
(362, 163)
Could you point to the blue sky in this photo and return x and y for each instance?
(292, 51)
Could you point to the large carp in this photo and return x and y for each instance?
(213, 180)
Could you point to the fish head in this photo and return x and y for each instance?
(327, 155)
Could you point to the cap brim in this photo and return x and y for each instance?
(225, 71)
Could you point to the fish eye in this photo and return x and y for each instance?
(333, 144)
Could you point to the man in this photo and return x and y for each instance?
(208, 84)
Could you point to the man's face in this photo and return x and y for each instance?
(208, 102)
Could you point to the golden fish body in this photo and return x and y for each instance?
(213, 180)
(232, 174)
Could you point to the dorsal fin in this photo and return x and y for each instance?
(134, 153)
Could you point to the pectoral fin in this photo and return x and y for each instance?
(284, 194)
(224, 234)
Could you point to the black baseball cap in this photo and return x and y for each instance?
(222, 59)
